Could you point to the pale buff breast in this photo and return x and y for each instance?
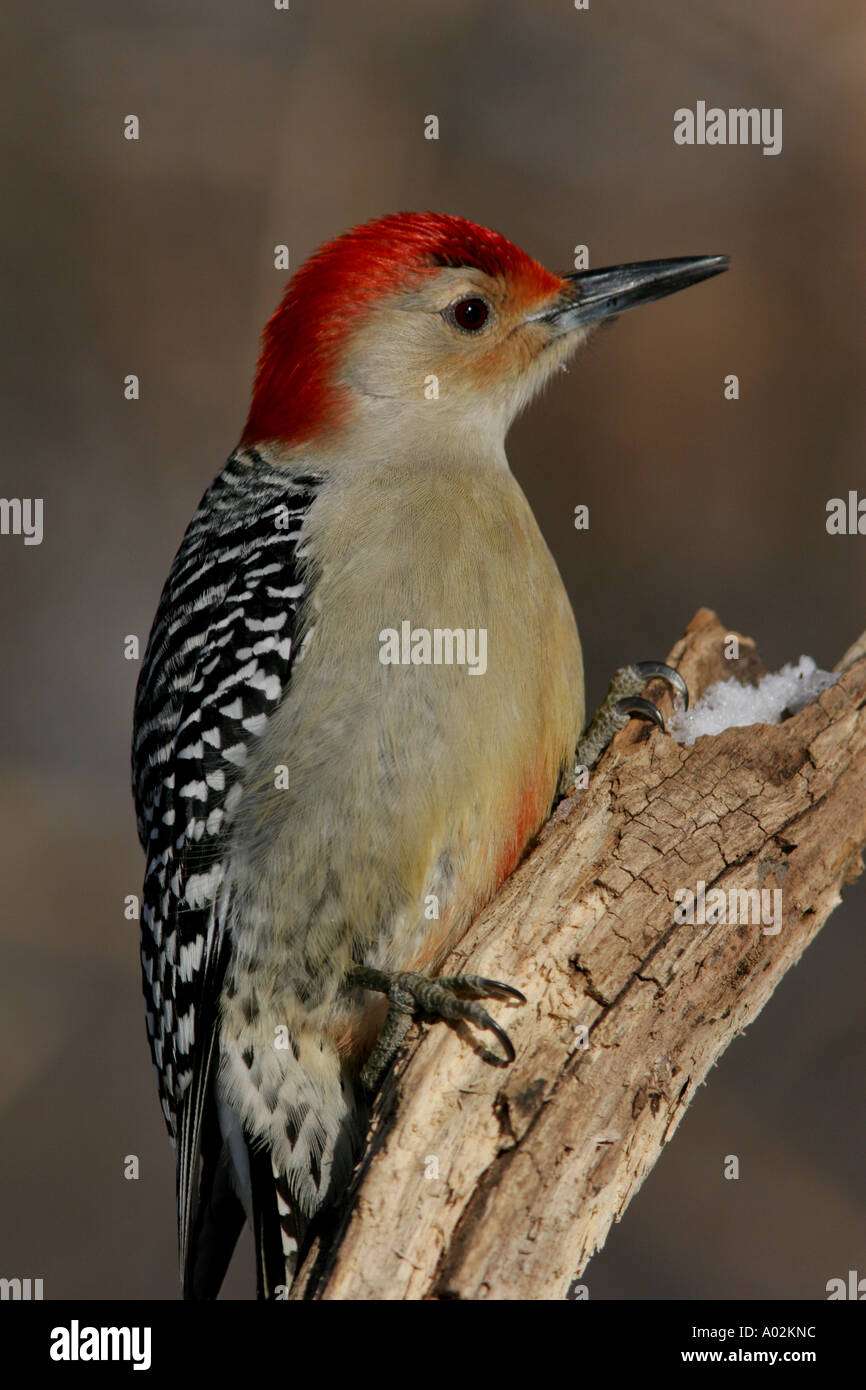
(412, 782)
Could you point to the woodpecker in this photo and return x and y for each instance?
(321, 824)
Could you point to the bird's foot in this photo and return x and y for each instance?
(449, 997)
(622, 703)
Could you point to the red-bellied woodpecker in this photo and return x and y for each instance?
(362, 694)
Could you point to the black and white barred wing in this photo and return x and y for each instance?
(217, 663)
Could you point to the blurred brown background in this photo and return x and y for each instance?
(156, 257)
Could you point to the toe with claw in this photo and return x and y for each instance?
(623, 702)
(449, 997)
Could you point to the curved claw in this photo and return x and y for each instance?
(478, 1014)
(644, 709)
(497, 990)
(660, 669)
(478, 987)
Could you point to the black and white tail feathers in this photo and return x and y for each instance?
(217, 665)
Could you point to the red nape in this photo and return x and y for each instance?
(293, 397)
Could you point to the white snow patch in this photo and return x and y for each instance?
(730, 705)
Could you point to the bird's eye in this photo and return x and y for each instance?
(468, 314)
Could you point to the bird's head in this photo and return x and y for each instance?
(422, 312)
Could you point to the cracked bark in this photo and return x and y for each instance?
(483, 1182)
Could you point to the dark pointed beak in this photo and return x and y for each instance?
(600, 294)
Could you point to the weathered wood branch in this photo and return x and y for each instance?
(481, 1182)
